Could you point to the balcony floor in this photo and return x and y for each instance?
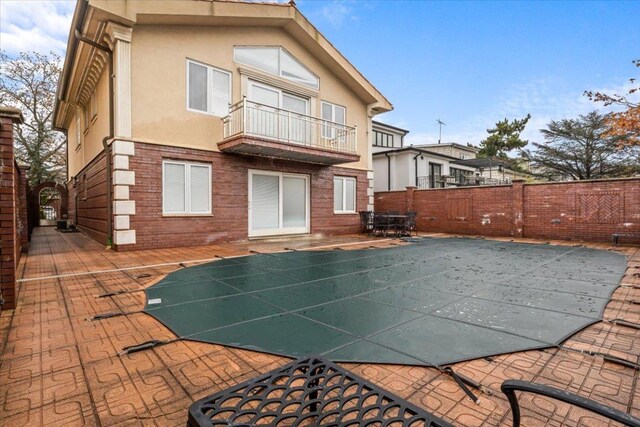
(58, 368)
(254, 146)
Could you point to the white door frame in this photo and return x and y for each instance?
(280, 230)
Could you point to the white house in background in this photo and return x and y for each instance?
(452, 149)
(493, 171)
(386, 137)
(396, 166)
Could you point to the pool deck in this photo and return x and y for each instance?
(58, 368)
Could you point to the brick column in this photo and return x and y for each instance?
(517, 189)
(408, 201)
(8, 207)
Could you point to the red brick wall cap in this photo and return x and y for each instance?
(12, 113)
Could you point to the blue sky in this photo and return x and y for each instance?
(467, 63)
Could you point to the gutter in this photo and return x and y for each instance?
(105, 143)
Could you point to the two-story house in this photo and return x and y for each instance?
(397, 166)
(200, 121)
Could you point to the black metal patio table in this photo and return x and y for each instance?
(308, 391)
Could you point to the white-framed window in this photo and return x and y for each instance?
(186, 188)
(333, 113)
(78, 128)
(208, 89)
(93, 104)
(86, 119)
(344, 194)
(277, 61)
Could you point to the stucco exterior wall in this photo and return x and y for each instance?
(91, 140)
(158, 72)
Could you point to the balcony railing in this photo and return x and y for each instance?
(442, 181)
(247, 118)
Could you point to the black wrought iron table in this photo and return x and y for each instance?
(308, 391)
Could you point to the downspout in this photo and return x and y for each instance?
(388, 171)
(105, 140)
(415, 161)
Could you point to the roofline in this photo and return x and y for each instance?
(466, 147)
(381, 103)
(72, 47)
(389, 126)
(419, 150)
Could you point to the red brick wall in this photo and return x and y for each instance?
(22, 192)
(229, 198)
(9, 240)
(583, 210)
(580, 210)
(87, 199)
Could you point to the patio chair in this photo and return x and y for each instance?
(366, 221)
(509, 388)
(382, 223)
(308, 391)
(410, 223)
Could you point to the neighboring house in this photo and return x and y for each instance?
(493, 171)
(452, 149)
(230, 120)
(385, 137)
(398, 168)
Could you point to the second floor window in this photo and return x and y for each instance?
(78, 127)
(333, 113)
(382, 139)
(208, 89)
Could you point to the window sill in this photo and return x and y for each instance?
(78, 147)
(345, 212)
(205, 113)
(204, 215)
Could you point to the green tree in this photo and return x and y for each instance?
(582, 148)
(29, 83)
(504, 138)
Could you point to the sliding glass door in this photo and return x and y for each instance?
(278, 203)
(280, 115)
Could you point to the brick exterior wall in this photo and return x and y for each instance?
(87, 199)
(22, 192)
(10, 240)
(229, 221)
(579, 210)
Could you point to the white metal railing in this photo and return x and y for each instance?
(262, 121)
(443, 181)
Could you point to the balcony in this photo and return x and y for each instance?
(442, 181)
(254, 129)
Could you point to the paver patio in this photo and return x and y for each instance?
(59, 368)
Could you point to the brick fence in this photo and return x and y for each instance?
(577, 210)
(13, 213)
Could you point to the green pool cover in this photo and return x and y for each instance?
(435, 301)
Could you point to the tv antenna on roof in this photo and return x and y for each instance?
(440, 123)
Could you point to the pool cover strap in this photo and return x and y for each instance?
(463, 382)
(144, 346)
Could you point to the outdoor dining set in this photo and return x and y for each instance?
(388, 223)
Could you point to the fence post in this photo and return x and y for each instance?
(8, 207)
(408, 200)
(517, 189)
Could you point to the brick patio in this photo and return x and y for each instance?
(58, 368)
